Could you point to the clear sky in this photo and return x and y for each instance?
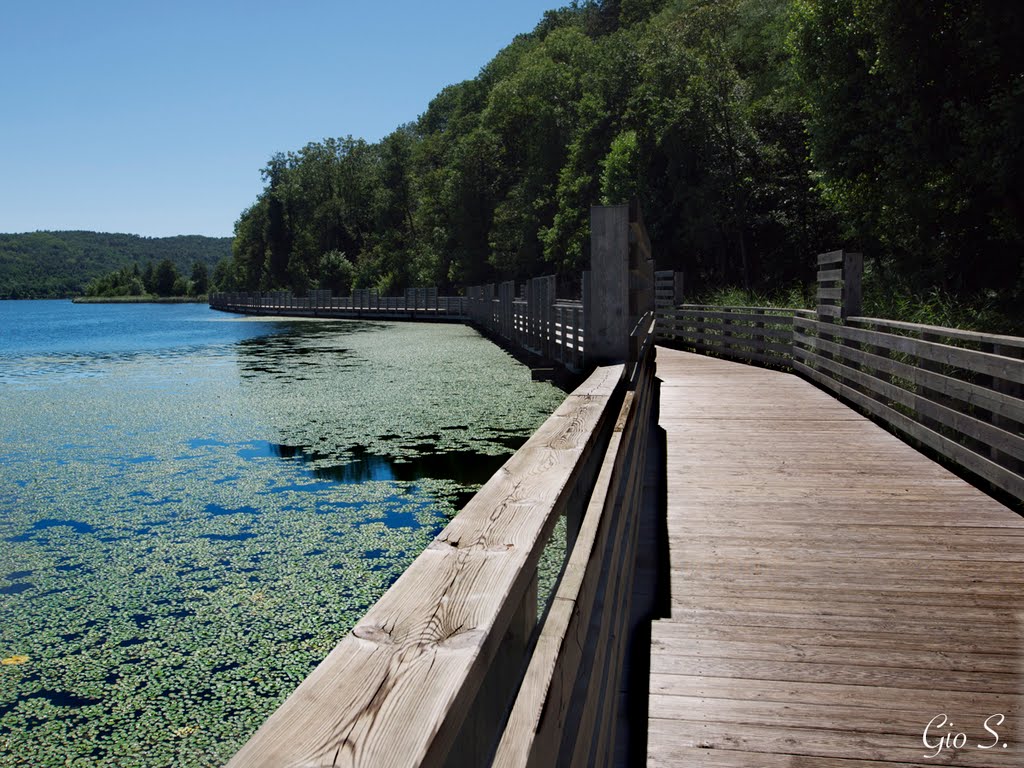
(155, 118)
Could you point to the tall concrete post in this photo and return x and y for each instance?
(606, 314)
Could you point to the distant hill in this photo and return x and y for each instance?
(49, 265)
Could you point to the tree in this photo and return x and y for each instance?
(149, 278)
(753, 132)
(165, 277)
(224, 277)
(200, 279)
(336, 273)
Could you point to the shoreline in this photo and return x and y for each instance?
(139, 300)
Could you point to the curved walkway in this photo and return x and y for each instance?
(833, 590)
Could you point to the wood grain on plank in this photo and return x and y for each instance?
(831, 586)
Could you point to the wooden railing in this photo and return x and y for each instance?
(419, 301)
(565, 711)
(535, 319)
(432, 672)
(747, 334)
(957, 393)
(451, 667)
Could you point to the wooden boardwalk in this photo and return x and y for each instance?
(833, 590)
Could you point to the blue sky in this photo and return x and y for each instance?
(156, 118)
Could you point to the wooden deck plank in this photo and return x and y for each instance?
(666, 736)
(756, 579)
(722, 758)
(915, 570)
(846, 694)
(832, 588)
(767, 650)
(938, 624)
(670, 631)
(818, 716)
(823, 607)
(808, 672)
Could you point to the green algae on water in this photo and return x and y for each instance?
(184, 536)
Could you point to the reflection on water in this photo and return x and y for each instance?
(463, 467)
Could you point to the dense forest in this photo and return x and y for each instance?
(47, 265)
(755, 133)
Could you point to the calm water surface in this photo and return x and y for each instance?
(195, 507)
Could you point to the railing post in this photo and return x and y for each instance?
(668, 294)
(853, 271)
(839, 293)
(1013, 389)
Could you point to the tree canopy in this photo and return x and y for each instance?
(755, 134)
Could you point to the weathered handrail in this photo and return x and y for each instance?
(416, 676)
(582, 642)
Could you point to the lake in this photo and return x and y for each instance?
(195, 507)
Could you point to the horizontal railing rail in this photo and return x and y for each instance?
(963, 403)
(419, 301)
(748, 334)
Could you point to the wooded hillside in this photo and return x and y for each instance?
(47, 265)
(755, 133)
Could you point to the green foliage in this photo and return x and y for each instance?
(915, 113)
(126, 281)
(619, 176)
(337, 272)
(901, 299)
(200, 282)
(166, 279)
(893, 300)
(46, 265)
(789, 297)
(140, 578)
(755, 134)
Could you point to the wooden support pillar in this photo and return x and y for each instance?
(606, 313)
(853, 271)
